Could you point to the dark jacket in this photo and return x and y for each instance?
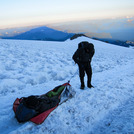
(83, 55)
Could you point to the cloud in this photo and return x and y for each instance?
(99, 35)
(90, 29)
(128, 17)
(16, 32)
(130, 20)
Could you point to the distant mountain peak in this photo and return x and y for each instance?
(43, 33)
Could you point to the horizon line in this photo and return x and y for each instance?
(62, 22)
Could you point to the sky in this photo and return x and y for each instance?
(15, 13)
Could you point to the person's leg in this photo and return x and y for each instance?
(89, 75)
(82, 83)
(81, 75)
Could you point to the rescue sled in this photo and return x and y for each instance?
(64, 92)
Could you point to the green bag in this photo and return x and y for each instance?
(56, 92)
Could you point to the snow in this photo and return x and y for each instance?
(35, 67)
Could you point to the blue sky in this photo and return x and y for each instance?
(15, 13)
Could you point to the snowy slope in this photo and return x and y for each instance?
(35, 67)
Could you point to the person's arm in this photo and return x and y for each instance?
(92, 53)
(76, 57)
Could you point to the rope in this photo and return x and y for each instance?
(73, 76)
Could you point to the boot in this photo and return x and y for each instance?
(89, 86)
(82, 83)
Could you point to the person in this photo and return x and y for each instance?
(83, 56)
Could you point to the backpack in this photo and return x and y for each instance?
(86, 45)
(86, 51)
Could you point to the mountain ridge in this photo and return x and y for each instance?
(42, 33)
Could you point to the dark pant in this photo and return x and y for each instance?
(85, 68)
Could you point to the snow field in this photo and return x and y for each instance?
(35, 67)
